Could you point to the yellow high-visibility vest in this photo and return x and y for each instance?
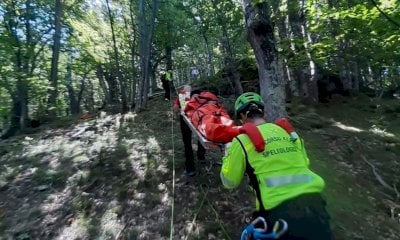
(281, 170)
(168, 76)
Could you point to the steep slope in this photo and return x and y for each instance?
(112, 177)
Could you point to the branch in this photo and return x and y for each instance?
(384, 14)
(393, 206)
(378, 177)
(44, 44)
(396, 190)
(123, 229)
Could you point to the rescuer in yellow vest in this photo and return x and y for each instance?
(284, 186)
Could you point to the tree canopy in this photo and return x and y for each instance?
(72, 56)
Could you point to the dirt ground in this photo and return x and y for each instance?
(111, 177)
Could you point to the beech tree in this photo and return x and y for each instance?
(260, 31)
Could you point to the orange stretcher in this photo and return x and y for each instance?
(205, 142)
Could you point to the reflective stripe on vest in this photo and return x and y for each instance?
(286, 180)
(226, 182)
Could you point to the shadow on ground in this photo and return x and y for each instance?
(112, 178)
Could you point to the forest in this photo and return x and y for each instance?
(64, 61)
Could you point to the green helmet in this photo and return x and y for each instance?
(245, 99)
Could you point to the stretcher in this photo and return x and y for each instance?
(205, 142)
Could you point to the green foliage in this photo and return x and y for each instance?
(120, 152)
(53, 178)
(82, 204)
(195, 31)
(5, 103)
(206, 22)
(257, 2)
(247, 69)
(366, 36)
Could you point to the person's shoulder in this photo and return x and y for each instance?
(268, 125)
(242, 138)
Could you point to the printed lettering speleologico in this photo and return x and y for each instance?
(275, 151)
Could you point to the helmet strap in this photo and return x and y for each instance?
(243, 117)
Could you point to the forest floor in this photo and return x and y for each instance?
(112, 177)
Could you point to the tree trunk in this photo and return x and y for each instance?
(342, 65)
(168, 57)
(111, 77)
(29, 63)
(314, 70)
(370, 77)
(71, 92)
(260, 33)
(299, 45)
(19, 110)
(210, 65)
(91, 96)
(282, 29)
(22, 93)
(133, 69)
(295, 22)
(80, 95)
(356, 78)
(230, 62)
(100, 76)
(142, 53)
(17, 26)
(15, 119)
(21, 99)
(340, 60)
(117, 63)
(55, 55)
(148, 50)
(21, 58)
(153, 78)
(146, 35)
(312, 86)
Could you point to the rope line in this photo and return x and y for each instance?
(204, 190)
(173, 168)
(215, 211)
(173, 177)
(198, 211)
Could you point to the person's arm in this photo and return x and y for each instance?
(287, 126)
(233, 166)
(300, 144)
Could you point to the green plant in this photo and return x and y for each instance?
(82, 203)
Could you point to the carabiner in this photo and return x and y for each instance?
(264, 224)
(251, 232)
(276, 227)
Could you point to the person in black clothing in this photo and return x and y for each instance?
(190, 169)
(165, 80)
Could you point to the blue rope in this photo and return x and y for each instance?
(250, 232)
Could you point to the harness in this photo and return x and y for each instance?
(252, 177)
(251, 231)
